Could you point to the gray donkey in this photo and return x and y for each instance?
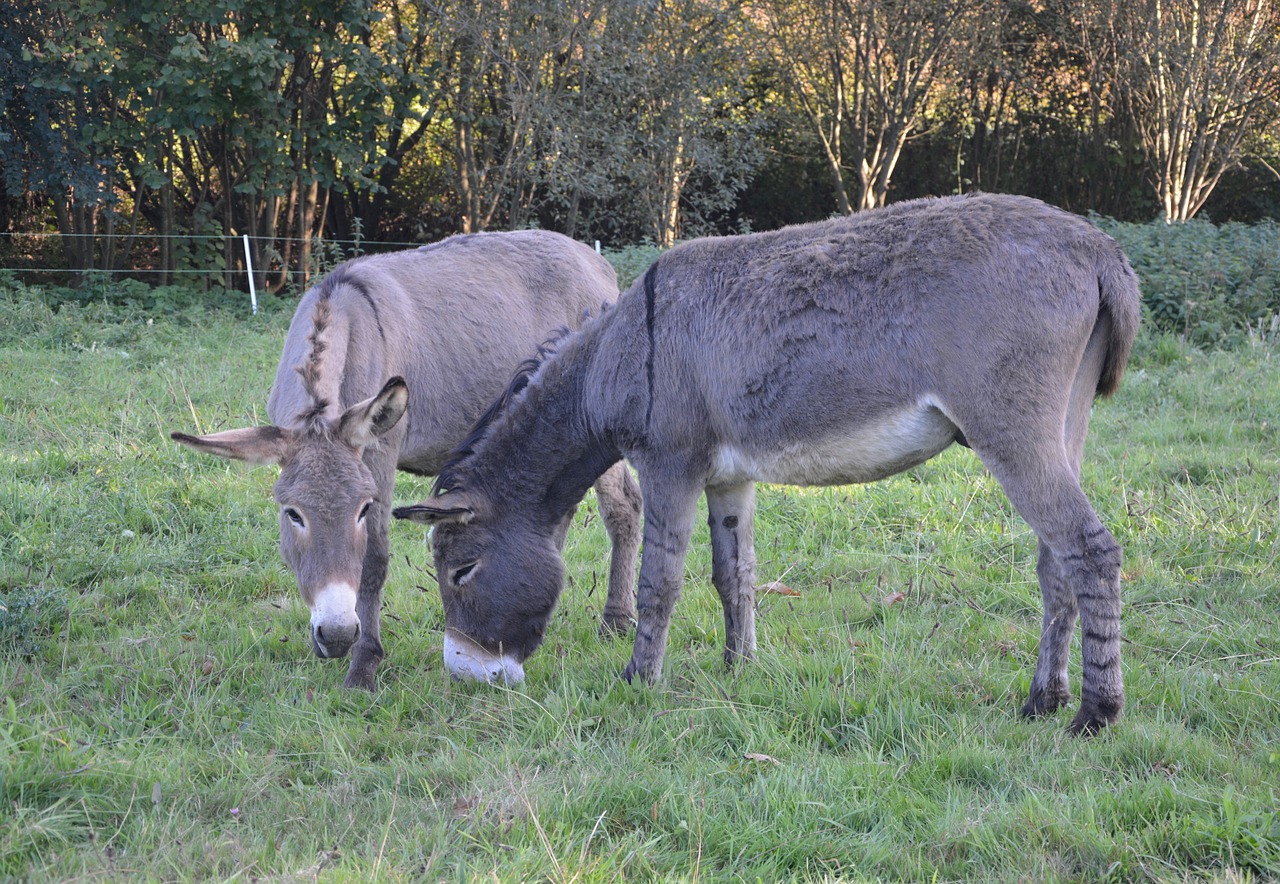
(828, 353)
(430, 335)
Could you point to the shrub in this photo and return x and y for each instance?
(631, 261)
(1209, 284)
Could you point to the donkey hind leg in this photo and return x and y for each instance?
(618, 497)
(669, 508)
(368, 652)
(1079, 567)
(730, 515)
(1049, 687)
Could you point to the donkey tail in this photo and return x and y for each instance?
(1121, 307)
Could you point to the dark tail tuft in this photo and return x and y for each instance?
(1121, 302)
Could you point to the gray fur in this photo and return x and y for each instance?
(447, 324)
(828, 353)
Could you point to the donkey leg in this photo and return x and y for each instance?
(1049, 687)
(1086, 559)
(668, 522)
(1097, 584)
(368, 651)
(1093, 581)
(730, 514)
(618, 497)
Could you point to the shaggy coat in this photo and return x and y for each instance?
(842, 351)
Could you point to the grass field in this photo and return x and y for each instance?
(163, 715)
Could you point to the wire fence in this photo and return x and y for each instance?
(212, 262)
(240, 262)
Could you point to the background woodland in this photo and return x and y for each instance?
(144, 133)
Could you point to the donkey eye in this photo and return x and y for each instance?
(463, 574)
(295, 517)
(364, 511)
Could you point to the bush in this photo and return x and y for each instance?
(631, 261)
(167, 300)
(1209, 284)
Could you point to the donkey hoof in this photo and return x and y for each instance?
(614, 625)
(361, 678)
(359, 683)
(1085, 726)
(1093, 717)
(635, 672)
(1044, 703)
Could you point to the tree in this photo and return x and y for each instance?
(213, 118)
(1199, 76)
(504, 67)
(864, 71)
(36, 156)
(556, 110)
(676, 89)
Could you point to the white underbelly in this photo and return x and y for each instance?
(864, 453)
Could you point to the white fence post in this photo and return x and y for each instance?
(248, 263)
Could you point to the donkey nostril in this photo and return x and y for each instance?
(320, 633)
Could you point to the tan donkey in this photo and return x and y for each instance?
(388, 362)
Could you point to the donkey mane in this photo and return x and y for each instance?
(447, 478)
(312, 418)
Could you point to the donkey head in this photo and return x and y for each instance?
(500, 577)
(327, 497)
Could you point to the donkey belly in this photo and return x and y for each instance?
(863, 452)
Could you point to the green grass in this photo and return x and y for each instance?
(163, 715)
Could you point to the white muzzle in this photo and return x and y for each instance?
(334, 624)
(467, 660)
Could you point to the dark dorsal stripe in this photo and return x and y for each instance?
(650, 295)
(340, 277)
(312, 417)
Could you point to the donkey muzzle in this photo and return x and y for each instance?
(334, 624)
(468, 661)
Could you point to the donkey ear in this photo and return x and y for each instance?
(452, 507)
(365, 421)
(255, 445)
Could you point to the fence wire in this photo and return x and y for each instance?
(231, 271)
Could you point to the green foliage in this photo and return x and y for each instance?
(1209, 284)
(630, 262)
(167, 719)
(29, 613)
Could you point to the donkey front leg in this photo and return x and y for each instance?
(730, 514)
(618, 497)
(368, 652)
(668, 522)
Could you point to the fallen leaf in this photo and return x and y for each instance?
(894, 597)
(207, 668)
(757, 756)
(777, 587)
